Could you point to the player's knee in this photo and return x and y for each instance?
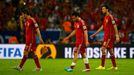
(75, 51)
(26, 53)
(34, 55)
(83, 55)
(103, 50)
(111, 51)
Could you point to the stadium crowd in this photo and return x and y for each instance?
(55, 15)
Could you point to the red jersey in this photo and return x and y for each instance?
(80, 27)
(30, 26)
(108, 27)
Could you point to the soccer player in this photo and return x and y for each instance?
(31, 28)
(81, 42)
(110, 34)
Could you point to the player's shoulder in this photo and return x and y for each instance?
(82, 21)
(111, 16)
(32, 19)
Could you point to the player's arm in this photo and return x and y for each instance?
(86, 37)
(71, 34)
(21, 22)
(116, 33)
(38, 31)
(39, 35)
(85, 33)
(97, 31)
(115, 29)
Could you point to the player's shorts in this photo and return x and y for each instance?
(108, 43)
(80, 48)
(30, 47)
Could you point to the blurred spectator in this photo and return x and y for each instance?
(13, 40)
(43, 23)
(123, 32)
(131, 36)
(12, 25)
(93, 27)
(50, 14)
(67, 26)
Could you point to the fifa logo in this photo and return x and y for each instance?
(11, 51)
(50, 53)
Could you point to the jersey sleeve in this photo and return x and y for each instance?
(35, 23)
(112, 20)
(112, 23)
(84, 27)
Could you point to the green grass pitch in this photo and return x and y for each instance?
(56, 67)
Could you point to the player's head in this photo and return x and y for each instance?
(75, 15)
(25, 10)
(105, 9)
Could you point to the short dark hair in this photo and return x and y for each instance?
(25, 9)
(106, 6)
(76, 14)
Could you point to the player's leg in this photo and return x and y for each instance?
(85, 59)
(76, 51)
(36, 60)
(86, 62)
(112, 56)
(23, 60)
(103, 58)
(74, 59)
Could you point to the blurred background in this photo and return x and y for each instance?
(53, 17)
(54, 20)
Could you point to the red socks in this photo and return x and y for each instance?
(72, 67)
(36, 60)
(23, 60)
(87, 66)
(103, 60)
(113, 60)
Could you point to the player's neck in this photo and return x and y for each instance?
(107, 13)
(79, 18)
(28, 17)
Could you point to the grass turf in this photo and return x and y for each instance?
(56, 67)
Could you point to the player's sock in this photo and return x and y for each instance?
(72, 65)
(86, 63)
(23, 60)
(36, 60)
(113, 60)
(103, 60)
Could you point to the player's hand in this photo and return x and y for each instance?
(66, 38)
(41, 40)
(117, 38)
(87, 44)
(21, 17)
(92, 36)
